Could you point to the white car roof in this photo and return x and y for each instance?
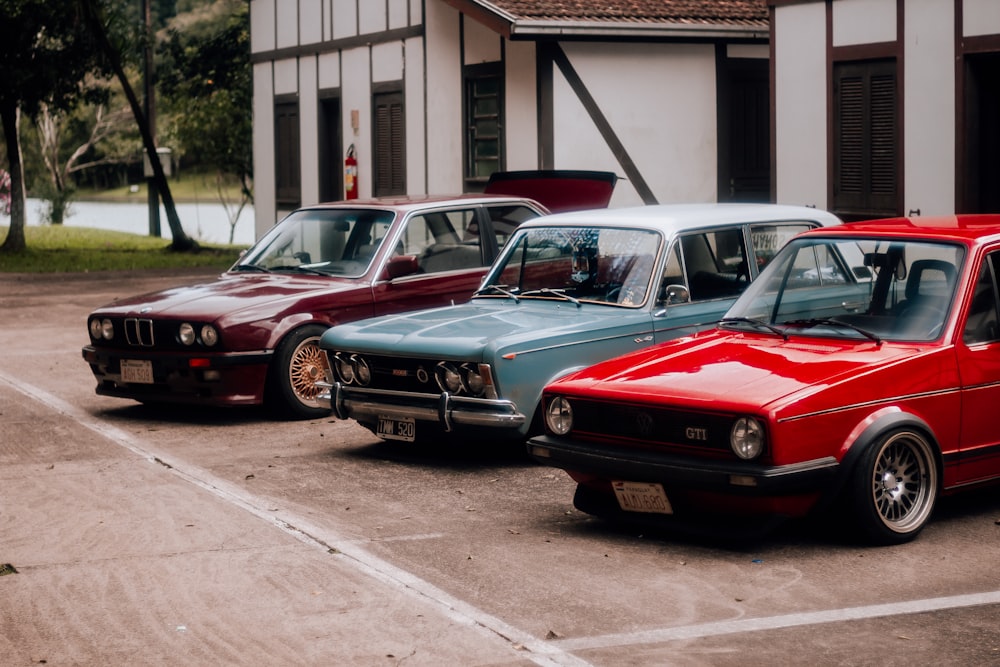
(673, 218)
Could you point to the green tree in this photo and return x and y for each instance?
(89, 136)
(206, 81)
(44, 54)
(46, 50)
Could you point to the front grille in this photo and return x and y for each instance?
(139, 332)
(400, 374)
(650, 424)
(136, 332)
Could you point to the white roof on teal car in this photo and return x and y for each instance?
(673, 218)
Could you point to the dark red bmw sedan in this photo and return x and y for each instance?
(251, 335)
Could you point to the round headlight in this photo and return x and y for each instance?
(747, 438)
(447, 377)
(186, 334)
(209, 336)
(362, 371)
(345, 369)
(107, 329)
(472, 380)
(95, 329)
(559, 416)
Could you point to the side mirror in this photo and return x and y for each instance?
(675, 294)
(402, 265)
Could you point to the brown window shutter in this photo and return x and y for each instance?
(883, 135)
(390, 145)
(851, 137)
(866, 151)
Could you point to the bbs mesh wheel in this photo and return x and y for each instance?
(298, 366)
(894, 487)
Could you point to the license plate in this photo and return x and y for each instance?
(397, 429)
(642, 497)
(137, 371)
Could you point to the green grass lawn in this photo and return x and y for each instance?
(60, 249)
(185, 187)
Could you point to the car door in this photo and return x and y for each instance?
(713, 267)
(448, 249)
(978, 355)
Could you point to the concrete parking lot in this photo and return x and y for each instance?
(136, 536)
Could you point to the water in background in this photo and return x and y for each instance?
(204, 222)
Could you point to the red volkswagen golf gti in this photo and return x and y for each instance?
(858, 374)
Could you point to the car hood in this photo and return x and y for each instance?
(735, 372)
(482, 326)
(228, 295)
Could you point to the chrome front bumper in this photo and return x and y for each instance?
(445, 409)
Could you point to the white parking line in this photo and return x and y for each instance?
(777, 622)
(524, 645)
(541, 652)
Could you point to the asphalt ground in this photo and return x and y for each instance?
(142, 538)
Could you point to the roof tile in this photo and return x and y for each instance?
(639, 11)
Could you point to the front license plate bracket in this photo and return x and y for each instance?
(393, 428)
(644, 497)
(137, 371)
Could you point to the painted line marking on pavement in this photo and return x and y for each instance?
(407, 538)
(547, 652)
(524, 645)
(778, 622)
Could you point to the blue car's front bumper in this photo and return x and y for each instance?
(445, 409)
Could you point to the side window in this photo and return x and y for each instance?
(444, 240)
(814, 266)
(981, 326)
(768, 239)
(508, 217)
(715, 263)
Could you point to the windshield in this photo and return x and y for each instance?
(325, 241)
(578, 264)
(865, 289)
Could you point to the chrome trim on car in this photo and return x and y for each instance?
(139, 331)
(446, 409)
(869, 404)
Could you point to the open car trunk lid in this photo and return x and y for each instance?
(558, 190)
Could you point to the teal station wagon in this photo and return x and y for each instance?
(567, 291)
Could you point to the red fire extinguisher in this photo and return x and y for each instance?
(350, 175)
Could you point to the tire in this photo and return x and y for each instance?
(298, 365)
(894, 487)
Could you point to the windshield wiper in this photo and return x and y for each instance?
(502, 289)
(754, 322)
(831, 322)
(301, 268)
(553, 292)
(252, 267)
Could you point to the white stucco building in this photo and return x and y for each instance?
(887, 107)
(434, 95)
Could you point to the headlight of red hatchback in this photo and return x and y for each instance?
(747, 438)
(559, 415)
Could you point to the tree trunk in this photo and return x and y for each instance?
(9, 116)
(180, 241)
